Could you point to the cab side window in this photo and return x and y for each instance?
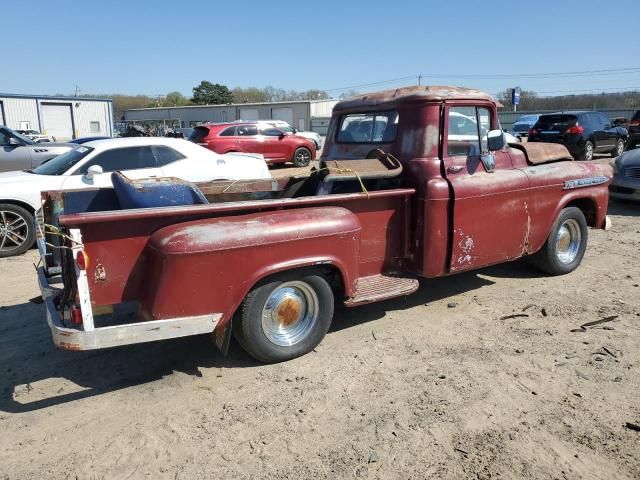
(4, 138)
(129, 158)
(467, 130)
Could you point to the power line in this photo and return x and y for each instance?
(583, 73)
(408, 77)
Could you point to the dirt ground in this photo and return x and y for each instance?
(480, 375)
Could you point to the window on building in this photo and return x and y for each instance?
(94, 127)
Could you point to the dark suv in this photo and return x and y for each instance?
(583, 133)
(634, 130)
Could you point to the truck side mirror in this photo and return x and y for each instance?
(92, 171)
(14, 142)
(495, 140)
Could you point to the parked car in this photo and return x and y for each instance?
(626, 176)
(634, 130)
(90, 166)
(583, 133)
(82, 140)
(36, 136)
(255, 137)
(18, 152)
(287, 128)
(521, 126)
(272, 270)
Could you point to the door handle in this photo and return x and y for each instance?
(455, 169)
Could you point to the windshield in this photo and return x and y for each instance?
(60, 164)
(528, 118)
(22, 138)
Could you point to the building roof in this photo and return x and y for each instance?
(254, 104)
(54, 97)
(436, 93)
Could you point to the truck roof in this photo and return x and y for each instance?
(434, 93)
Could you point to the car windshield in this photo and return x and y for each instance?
(528, 118)
(285, 128)
(62, 163)
(22, 138)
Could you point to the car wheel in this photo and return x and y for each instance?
(286, 317)
(16, 230)
(619, 150)
(588, 150)
(302, 157)
(566, 244)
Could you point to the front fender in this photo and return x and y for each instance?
(210, 265)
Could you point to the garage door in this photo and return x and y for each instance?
(56, 120)
(249, 114)
(283, 113)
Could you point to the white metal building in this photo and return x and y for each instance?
(61, 117)
(300, 114)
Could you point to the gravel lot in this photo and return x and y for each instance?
(479, 375)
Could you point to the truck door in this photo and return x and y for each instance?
(490, 211)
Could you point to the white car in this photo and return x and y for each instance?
(37, 136)
(285, 127)
(90, 166)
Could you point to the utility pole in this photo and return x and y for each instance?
(77, 91)
(419, 80)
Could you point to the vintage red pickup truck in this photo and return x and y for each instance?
(414, 182)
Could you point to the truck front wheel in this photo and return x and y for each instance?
(566, 244)
(285, 317)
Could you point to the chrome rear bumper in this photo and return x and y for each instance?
(113, 336)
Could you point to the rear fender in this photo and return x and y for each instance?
(210, 265)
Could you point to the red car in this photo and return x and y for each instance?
(255, 137)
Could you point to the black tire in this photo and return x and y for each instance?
(256, 334)
(619, 149)
(301, 157)
(17, 233)
(589, 148)
(553, 258)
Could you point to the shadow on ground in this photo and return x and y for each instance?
(27, 354)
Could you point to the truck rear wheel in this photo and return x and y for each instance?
(566, 244)
(286, 317)
(16, 230)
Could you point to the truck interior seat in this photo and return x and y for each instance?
(155, 192)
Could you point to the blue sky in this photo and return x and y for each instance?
(156, 47)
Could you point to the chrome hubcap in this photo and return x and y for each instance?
(290, 313)
(13, 230)
(620, 148)
(568, 241)
(589, 152)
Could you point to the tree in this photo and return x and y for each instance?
(315, 94)
(176, 99)
(208, 93)
(349, 94)
(249, 95)
(527, 99)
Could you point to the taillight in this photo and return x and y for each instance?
(634, 123)
(576, 130)
(76, 315)
(533, 131)
(82, 260)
